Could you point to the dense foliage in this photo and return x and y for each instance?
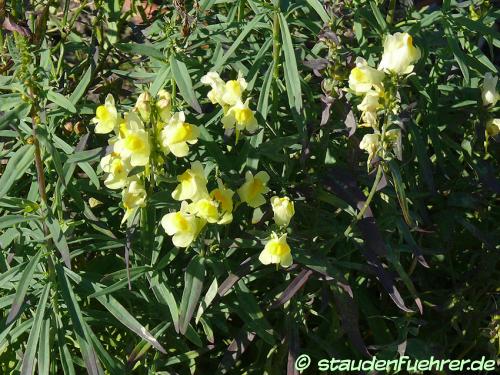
(219, 186)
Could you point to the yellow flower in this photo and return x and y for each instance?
(399, 54)
(133, 141)
(164, 105)
(106, 117)
(369, 107)
(117, 170)
(193, 184)
(489, 92)
(233, 90)
(183, 226)
(240, 115)
(364, 78)
(177, 134)
(253, 189)
(283, 209)
(277, 251)
(207, 209)
(218, 87)
(493, 127)
(370, 143)
(133, 197)
(143, 105)
(224, 197)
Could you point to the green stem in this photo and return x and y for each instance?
(390, 13)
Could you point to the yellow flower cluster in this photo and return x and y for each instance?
(398, 58)
(229, 95)
(150, 125)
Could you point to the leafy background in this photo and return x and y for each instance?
(418, 274)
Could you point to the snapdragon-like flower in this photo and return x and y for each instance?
(176, 135)
(106, 116)
(133, 141)
(369, 107)
(283, 209)
(133, 197)
(143, 105)
(224, 197)
(192, 184)
(241, 116)
(251, 192)
(489, 92)
(117, 170)
(233, 90)
(164, 105)
(207, 209)
(182, 225)
(364, 78)
(493, 127)
(399, 54)
(370, 143)
(215, 95)
(277, 251)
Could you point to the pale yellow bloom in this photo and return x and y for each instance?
(117, 170)
(183, 226)
(133, 197)
(241, 116)
(135, 145)
(106, 116)
(207, 209)
(233, 90)
(218, 87)
(251, 192)
(370, 143)
(393, 138)
(176, 135)
(143, 105)
(277, 251)
(369, 107)
(493, 127)
(283, 209)
(364, 78)
(164, 105)
(489, 92)
(224, 197)
(399, 54)
(192, 184)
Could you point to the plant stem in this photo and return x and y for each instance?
(390, 13)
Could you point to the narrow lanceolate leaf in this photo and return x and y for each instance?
(293, 288)
(80, 89)
(318, 8)
(89, 355)
(22, 286)
(291, 71)
(29, 355)
(10, 220)
(117, 310)
(61, 101)
(193, 283)
(209, 297)
(43, 355)
(58, 238)
(16, 168)
(183, 81)
(400, 192)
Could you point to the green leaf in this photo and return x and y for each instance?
(193, 284)
(209, 297)
(31, 346)
(92, 364)
(166, 297)
(11, 220)
(141, 49)
(18, 113)
(251, 26)
(58, 238)
(43, 355)
(292, 76)
(400, 191)
(460, 56)
(23, 285)
(318, 7)
(16, 168)
(61, 101)
(183, 81)
(81, 88)
(378, 16)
